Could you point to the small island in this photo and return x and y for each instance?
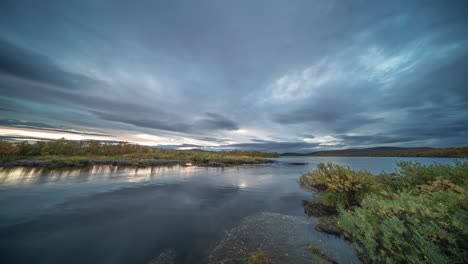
(64, 153)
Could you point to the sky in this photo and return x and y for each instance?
(286, 76)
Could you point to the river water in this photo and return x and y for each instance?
(126, 215)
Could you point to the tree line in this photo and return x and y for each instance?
(65, 147)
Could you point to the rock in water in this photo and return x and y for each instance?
(329, 229)
(283, 238)
(167, 256)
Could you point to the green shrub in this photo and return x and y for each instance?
(339, 185)
(413, 173)
(412, 227)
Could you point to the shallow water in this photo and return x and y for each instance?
(122, 215)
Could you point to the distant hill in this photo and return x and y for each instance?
(389, 152)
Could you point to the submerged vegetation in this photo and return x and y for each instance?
(82, 153)
(417, 215)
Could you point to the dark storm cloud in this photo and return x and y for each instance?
(274, 73)
(18, 123)
(45, 127)
(42, 93)
(182, 146)
(272, 146)
(7, 110)
(209, 139)
(434, 132)
(335, 121)
(259, 140)
(210, 122)
(214, 121)
(453, 133)
(26, 64)
(20, 138)
(370, 140)
(155, 123)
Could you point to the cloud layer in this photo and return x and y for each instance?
(266, 75)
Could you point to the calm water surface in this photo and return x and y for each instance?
(121, 215)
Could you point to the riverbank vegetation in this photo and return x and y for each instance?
(417, 215)
(82, 153)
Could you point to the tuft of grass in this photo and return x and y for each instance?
(259, 258)
(319, 253)
(314, 250)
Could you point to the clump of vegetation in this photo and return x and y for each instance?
(79, 152)
(259, 258)
(8, 149)
(339, 185)
(413, 173)
(411, 227)
(418, 215)
(319, 253)
(318, 209)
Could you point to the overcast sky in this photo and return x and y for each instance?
(265, 75)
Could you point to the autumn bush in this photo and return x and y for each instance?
(338, 185)
(7, 149)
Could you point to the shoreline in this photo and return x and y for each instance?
(122, 163)
(378, 156)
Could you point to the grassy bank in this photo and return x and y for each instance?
(63, 153)
(418, 215)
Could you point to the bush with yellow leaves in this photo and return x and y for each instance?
(339, 185)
